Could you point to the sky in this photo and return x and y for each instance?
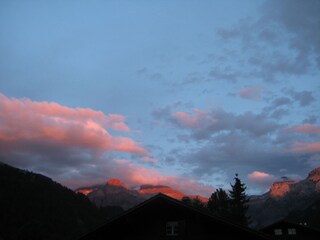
(179, 93)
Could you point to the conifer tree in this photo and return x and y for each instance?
(239, 202)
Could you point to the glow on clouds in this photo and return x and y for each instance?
(62, 142)
(305, 147)
(299, 146)
(135, 174)
(23, 119)
(198, 119)
(305, 128)
(261, 177)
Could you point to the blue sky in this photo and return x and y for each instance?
(201, 90)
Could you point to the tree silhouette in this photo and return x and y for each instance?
(219, 203)
(186, 200)
(197, 203)
(239, 202)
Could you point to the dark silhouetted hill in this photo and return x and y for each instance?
(33, 206)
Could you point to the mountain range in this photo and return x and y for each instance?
(116, 193)
(33, 206)
(283, 198)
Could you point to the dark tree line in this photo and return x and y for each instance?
(196, 202)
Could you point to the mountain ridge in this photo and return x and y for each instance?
(116, 193)
(283, 198)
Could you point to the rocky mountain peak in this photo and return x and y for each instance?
(284, 197)
(279, 189)
(116, 183)
(314, 175)
(85, 191)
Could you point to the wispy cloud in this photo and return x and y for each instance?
(304, 98)
(198, 119)
(305, 128)
(286, 26)
(305, 147)
(147, 159)
(251, 93)
(205, 124)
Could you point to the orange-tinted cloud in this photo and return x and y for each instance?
(26, 120)
(305, 128)
(305, 147)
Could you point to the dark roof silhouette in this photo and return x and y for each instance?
(148, 221)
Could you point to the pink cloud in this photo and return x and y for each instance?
(196, 120)
(252, 93)
(116, 122)
(26, 120)
(58, 112)
(305, 147)
(261, 178)
(305, 128)
(127, 145)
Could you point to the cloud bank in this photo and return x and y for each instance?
(241, 143)
(74, 146)
(25, 120)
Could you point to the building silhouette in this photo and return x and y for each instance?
(162, 217)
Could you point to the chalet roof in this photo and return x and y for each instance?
(179, 204)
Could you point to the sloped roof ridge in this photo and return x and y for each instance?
(179, 203)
